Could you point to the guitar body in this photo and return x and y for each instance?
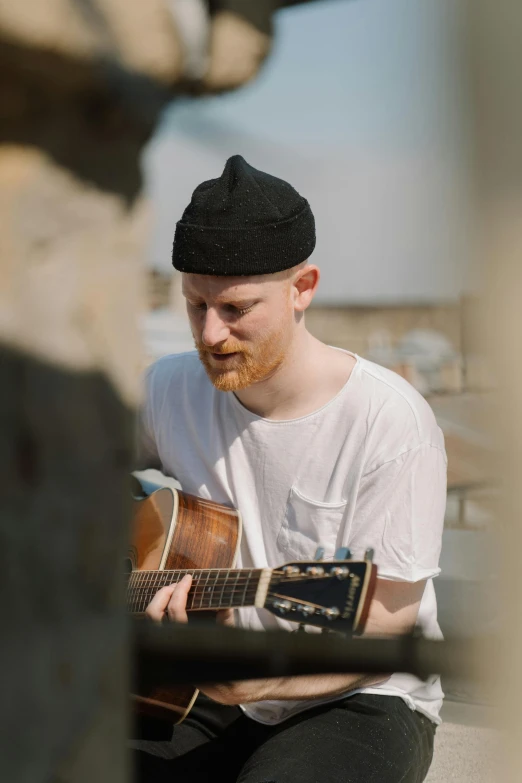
(175, 533)
(174, 530)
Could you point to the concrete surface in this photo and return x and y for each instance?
(467, 747)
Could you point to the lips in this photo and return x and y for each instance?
(222, 357)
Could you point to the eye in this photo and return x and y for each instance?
(239, 311)
(243, 310)
(201, 306)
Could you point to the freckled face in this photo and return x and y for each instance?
(242, 326)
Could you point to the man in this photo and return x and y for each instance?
(315, 446)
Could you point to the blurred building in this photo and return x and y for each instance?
(361, 106)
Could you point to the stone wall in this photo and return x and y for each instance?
(353, 326)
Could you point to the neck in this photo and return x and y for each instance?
(212, 588)
(310, 375)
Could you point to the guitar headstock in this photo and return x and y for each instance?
(332, 594)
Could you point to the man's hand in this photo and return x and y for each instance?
(393, 612)
(171, 602)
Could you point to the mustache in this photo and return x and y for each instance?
(222, 350)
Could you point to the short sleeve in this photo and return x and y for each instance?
(399, 512)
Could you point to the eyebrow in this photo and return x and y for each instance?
(234, 302)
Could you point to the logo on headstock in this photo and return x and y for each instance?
(349, 607)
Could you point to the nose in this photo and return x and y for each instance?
(215, 329)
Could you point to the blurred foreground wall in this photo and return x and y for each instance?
(81, 85)
(494, 39)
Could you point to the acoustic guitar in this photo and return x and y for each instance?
(175, 533)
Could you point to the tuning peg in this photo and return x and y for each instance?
(343, 553)
(331, 613)
(319, 553)
(368, 555)
(283, 606)
(341, 572)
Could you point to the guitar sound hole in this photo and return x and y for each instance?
(127, 568)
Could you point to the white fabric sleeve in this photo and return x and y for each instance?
(399, 512)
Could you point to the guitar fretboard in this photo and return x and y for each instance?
(215, 588)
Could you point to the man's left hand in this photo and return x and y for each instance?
(171, 603)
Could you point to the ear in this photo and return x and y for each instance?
(304, 286)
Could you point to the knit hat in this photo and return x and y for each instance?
(245, 222)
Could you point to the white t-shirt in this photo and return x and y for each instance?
(368, 469)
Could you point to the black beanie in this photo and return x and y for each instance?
(245, 222)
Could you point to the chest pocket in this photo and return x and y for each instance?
(309, 524)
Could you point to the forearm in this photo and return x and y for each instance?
(291, 688)
(393, 612)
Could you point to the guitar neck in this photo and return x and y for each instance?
(214, 588)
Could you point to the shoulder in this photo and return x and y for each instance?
(393, 397)
(177, 374)
(172, 369)
(398, 418)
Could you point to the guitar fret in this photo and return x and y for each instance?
(223, 586)
(153, 578)
(161, 580)
(247, 583)
(203, 592)
(143, 593)
(144, 585)
(138, 592)
(143, 602)
(235, 586)
(154, 582)
(212, 592)
(193, 588)
(216, 588)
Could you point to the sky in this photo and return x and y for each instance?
(360, 106)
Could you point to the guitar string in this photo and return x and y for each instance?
(201, 571)
(225, 583)
(217, 572)
(139, 593)
(248, 601)
(163, 577)
(195, 593)
(210, 583)
(199, 591)
(226, 595)
(222, 603)
(203, 592)
(192, 597)
(197, 571)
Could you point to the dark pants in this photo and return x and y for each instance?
(364, 737)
